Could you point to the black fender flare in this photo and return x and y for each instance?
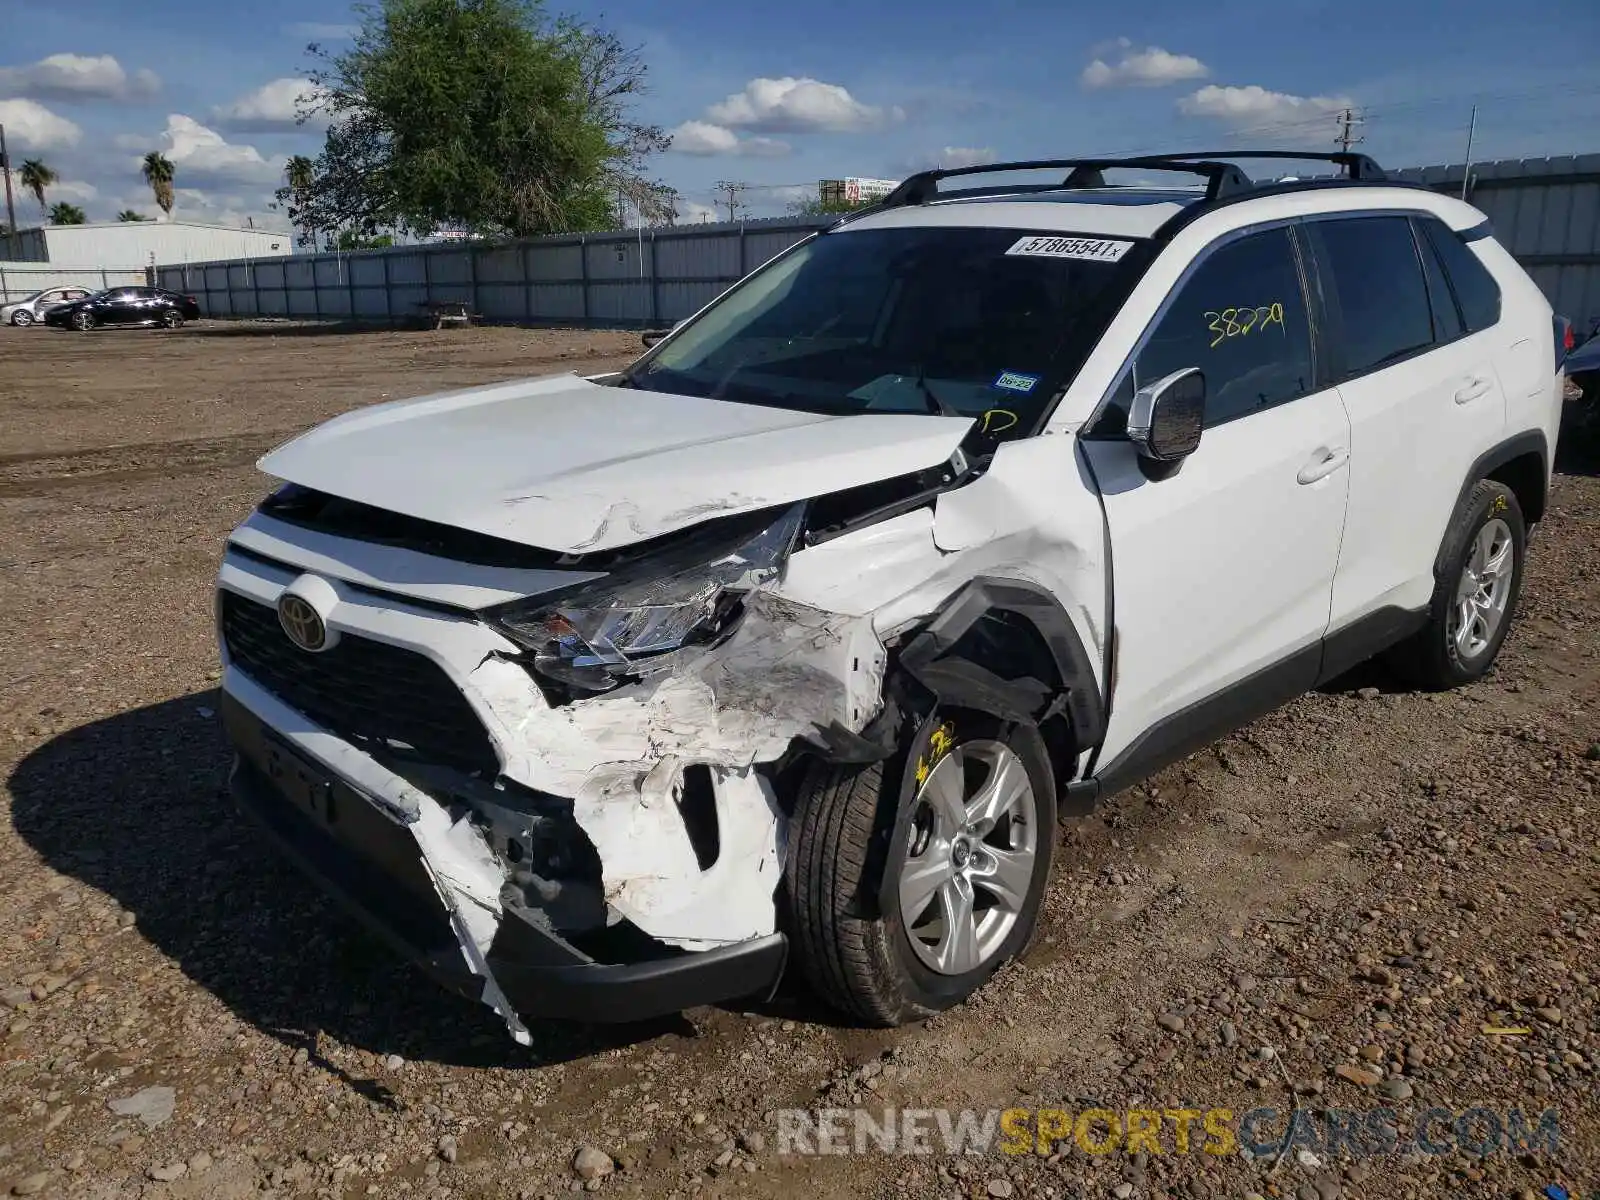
(925, 673)
(1530, 441)
(924, 657)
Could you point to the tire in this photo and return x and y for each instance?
(22, 318)
(858, 833)
(83, 321)
(1463, 637)
(172, 319)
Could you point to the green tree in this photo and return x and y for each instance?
(485, 114)
(816, 206)
(158, 173)
(129, 214)
(350, 239)
(62, 213)
(301, 173)
(35, 177)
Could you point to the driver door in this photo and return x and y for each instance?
(1223, 571)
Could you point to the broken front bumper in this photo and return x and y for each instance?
(371, 864)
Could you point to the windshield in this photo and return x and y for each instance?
(984, 323)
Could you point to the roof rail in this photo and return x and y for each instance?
(1356, 166)
(1223, 178)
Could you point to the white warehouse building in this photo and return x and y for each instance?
(135, 245)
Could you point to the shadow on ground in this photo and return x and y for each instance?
(251, 328)
(136, 806)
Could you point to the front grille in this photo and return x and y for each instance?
(381, 696)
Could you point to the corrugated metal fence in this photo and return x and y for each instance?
(19, 280)
(1546, 211)
(626, 279)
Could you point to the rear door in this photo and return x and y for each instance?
(1424, 402)
(1222, 572)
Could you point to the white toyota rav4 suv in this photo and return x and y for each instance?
(603, 697)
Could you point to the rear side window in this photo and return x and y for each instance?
(1377, 281)
(1241, 318)
(1476, 291)
(1447, 324)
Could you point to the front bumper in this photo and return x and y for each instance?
(371, 864)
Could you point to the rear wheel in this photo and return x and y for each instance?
(172, 319)
(83, 320)
(22, 318)
(911, 882)
(1475, 595)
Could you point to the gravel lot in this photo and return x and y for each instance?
(1326, 910)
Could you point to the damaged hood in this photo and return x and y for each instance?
(564, 464)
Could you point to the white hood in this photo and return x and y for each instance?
(564, 464)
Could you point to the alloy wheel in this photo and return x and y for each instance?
(970, 857)
(1483, 590)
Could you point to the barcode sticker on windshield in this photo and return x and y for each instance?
(1092, 249)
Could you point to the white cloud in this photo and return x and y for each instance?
(1249, 105)
(272, 106)
(320, 31)
(692, 212)
(78, 77)
(199, 152)
(32, 126)
(702, 138)
(791, 105)
(1150, 66)
(950, 157)
(75, 190)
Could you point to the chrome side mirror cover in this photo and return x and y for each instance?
(1166, 417)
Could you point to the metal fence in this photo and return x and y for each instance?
(626, 279)
(1545, 211)
(19, 280)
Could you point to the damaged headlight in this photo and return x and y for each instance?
(636, 624)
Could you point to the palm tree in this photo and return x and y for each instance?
(62, 213)
(35, 177)
(300, 171)
(157, 172)
(128, 214)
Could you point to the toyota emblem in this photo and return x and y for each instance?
(302, 622)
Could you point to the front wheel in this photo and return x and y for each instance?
(1475, 593)
(912, 881)
(22, 318)
(83, 321)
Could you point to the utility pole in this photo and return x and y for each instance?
(1348, 120)
(733, 190)
(11, 206)
(1466, 167)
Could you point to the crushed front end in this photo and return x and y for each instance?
(548, 784)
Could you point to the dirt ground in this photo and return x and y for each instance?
(1327, 910)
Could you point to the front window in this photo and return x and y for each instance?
(981, 323)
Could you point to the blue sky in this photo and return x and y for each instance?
(779, 95)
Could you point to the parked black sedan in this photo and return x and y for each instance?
(126, 306)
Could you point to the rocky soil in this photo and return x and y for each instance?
(1371, 899)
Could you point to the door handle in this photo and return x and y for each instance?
(1324, 463)
(1475, 386)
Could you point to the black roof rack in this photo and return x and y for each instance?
(1223, 178)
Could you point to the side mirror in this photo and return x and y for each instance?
(1166, 417)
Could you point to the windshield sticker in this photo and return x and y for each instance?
(1091, 249)
(1016, 381)
(998, 420)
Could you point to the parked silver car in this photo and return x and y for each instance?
(30, 310)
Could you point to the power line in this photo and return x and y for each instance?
(732, 191)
